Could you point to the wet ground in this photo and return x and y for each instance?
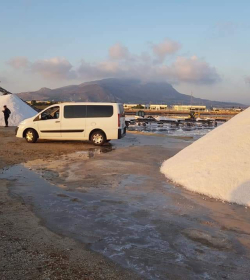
(195, 131)
(115, 200)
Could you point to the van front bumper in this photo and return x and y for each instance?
(16, 130)
(121, 132)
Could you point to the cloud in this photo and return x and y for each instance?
(167, 47)
(120, 63)
(54, 68)
(118, 51)
(18, 62)
(247, 79)
(192, 70)
(105, 69)
(189, 70)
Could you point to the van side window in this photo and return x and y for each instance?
(74, 111)
(99, 111)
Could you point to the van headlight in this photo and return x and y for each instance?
(21, 123)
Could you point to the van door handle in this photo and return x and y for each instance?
(57, 121)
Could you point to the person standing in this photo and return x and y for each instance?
(6, 112)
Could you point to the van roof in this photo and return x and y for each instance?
(90, 103)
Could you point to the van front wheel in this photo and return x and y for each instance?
(31, 136)
(98, 138)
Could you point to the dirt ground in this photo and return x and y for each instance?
(27, 249)
(14, 150)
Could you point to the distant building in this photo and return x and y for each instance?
(227, 109)
(158, 107)
(132, 106)
(189, 107)
(147, 106)
(38, 102)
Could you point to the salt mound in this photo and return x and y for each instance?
(218, 164)
(19, 109)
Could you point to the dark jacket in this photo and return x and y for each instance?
(6, 112)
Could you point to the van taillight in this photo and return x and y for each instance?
(119, 121)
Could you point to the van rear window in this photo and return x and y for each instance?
(121, 110)
(74, 111)
(99, 111)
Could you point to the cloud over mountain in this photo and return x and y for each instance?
(193, 70)
(18, 62)
(165, 48)
(189, 70)
(54, 68)
(121, 63)
(118, 51)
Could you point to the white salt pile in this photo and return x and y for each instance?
(218, 164)
(19, 109)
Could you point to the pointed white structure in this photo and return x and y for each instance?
(218, 164)
(19, 109)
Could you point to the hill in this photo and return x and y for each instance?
(119, 90)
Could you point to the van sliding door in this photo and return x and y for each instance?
(73, 122)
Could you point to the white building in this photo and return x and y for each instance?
(131, 106)
(146, 106)
(227, 109)
(189, 107)
(158, 107)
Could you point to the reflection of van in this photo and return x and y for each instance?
(97, 122)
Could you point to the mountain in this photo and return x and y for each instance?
(120, 90)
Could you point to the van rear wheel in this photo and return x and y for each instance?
(31, 136)
(98, 138)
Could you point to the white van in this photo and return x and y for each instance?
(97, 122)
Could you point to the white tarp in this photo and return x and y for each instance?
(218, 164)
(19, 109)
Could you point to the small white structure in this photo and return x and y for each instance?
(189, 107)
(146, 106)
(227, 109)
(131, 106)
(158, 107)
(19, 109)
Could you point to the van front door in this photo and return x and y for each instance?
(73, 122)
(49, 123)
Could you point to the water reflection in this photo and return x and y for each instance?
(90, 153)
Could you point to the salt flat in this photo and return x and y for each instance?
(115, 201)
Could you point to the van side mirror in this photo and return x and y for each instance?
(40, 117)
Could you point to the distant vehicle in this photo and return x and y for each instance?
(139, 114)
(97, 122)
(150, 118)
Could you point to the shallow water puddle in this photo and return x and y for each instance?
(142, 224)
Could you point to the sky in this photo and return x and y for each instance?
(201, 47)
